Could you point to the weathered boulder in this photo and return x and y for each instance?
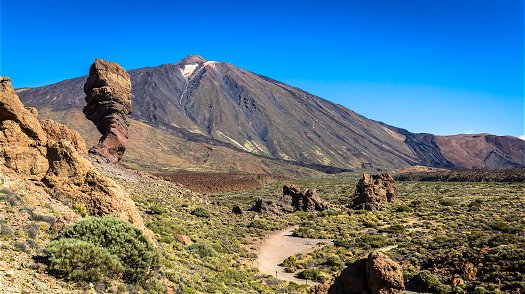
(291, 200)
(56, 131)
(307, 200)
(272, 207)
(352, 280)
(183, 239)
(73, 177)
(22, 139)
(21, 153)
(384, 275)
(237, 210)
(11, 108)
(374, 192)
(375, 274)
(108, 98)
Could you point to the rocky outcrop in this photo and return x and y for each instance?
(22, 139)
(108, 98)
(307, 200)
(375, 274)
(384, 275)
(374, 192)
(51, 153)
(11, 108)
(272, 207)
(57, 131)
(293, 199)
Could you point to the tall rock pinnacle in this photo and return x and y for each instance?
(108, 98)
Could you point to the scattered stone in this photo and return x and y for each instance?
(374, 192)
(183, 239)
(108, 98)
(237, 210)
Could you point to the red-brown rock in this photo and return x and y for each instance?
(108, 98)
(374, 192)
(384, 275)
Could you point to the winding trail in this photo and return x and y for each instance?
(280, 245)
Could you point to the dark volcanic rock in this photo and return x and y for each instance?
(292, 200)
(305, 201)
(237, 210)
(271, 207)
(374, 191)
(108, 98)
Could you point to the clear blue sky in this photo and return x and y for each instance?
(439, 66)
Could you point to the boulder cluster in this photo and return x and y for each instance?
(293, 199)
(108, 98)
(374, 192)
(375, 274)
(51, 155)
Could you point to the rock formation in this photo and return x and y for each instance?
(384, 275)
(374, 192)
(375, 274)
(108, 98)
(292, 200)
(272, 207)
(307, 200)
(51, 153)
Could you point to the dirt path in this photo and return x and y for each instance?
(280, 245)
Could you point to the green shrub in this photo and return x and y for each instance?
(425, 281)
(259, 224)
(403, 208)
(203, 249)
(200, 212)
(156, 209)
(121, 239)
(328, 212)
(394, 229)
(448, 202)
(309, 274)
(80, 260)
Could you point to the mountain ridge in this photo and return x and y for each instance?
(218, 102)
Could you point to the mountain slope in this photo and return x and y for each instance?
(218, 103)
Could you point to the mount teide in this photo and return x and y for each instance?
(219, 104)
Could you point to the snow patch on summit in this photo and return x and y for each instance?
(188, 69)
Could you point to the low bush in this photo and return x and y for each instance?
(425, 281)
(309, 274)
(200, 212)
(127, 243)
(203, 249)
(80, 260)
